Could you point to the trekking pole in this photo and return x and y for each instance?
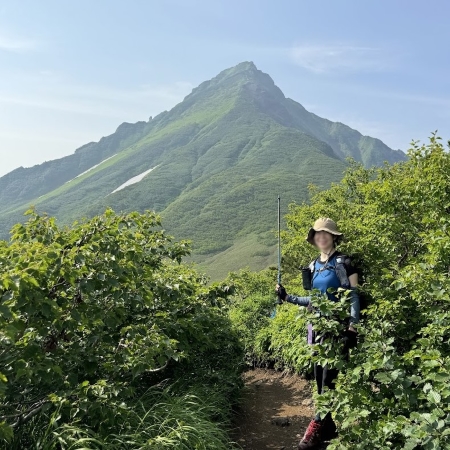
(279, 249)
(279, 240)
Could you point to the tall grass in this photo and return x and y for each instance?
(159, 420)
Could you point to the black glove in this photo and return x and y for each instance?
(281, 292)
(350, 339)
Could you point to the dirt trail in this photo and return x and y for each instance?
(276, 409)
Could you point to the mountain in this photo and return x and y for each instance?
(212, 166)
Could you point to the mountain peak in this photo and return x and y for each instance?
(243, 67)
(228, 146)
(233, 79)
(246, 70)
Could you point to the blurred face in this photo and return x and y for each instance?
(323, 240)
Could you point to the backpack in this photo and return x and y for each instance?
(342, 262)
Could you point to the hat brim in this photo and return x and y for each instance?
(312, 232)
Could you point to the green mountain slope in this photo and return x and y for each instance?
(213, 167)
(345, 141)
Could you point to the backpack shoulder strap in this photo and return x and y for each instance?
(341, 270)
(312, 265)
(342, 259)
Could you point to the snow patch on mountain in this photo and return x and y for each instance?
(92, 168)
(135, 179)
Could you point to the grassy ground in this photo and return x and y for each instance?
(256, 254)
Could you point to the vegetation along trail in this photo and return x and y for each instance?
(110, 341)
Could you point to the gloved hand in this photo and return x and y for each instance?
(281, 292)
(350, 339)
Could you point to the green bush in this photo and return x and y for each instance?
(394, 391)
(285, 338)
(250, 311)
(92, 318)
(272, 335)
(157, 420)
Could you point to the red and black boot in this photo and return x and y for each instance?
(329, 430)
(313, 436)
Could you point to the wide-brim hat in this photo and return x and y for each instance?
(324, 224)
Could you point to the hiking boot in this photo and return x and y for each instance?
(329, 430)
(313, 437)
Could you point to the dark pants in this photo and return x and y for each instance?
(325, 377)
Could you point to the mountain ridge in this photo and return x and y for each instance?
(219, 157)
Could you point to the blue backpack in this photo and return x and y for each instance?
(340, 267)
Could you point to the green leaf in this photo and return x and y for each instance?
(5, 312)
(6, 432)
(383, 377)
(434, 396)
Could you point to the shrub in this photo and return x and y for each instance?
(250, 311)
(94, 316)
(272, 335)
(394, 390)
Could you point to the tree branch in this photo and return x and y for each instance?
(159, 369)
(27, 415)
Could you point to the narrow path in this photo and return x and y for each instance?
(276, 409)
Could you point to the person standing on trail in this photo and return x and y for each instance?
(332, 270)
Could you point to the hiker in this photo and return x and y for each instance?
(331, 269)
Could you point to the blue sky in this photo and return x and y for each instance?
(71, 72)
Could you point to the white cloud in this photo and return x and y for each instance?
(15, 44)
(43, 116)
(320, 58)
(100, 100)
(407, 97)
(413, 98)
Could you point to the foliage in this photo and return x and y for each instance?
(157, 420)
(271, 335)
(92, 317)
(394, 390)
(223, 154)
(250, 312)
